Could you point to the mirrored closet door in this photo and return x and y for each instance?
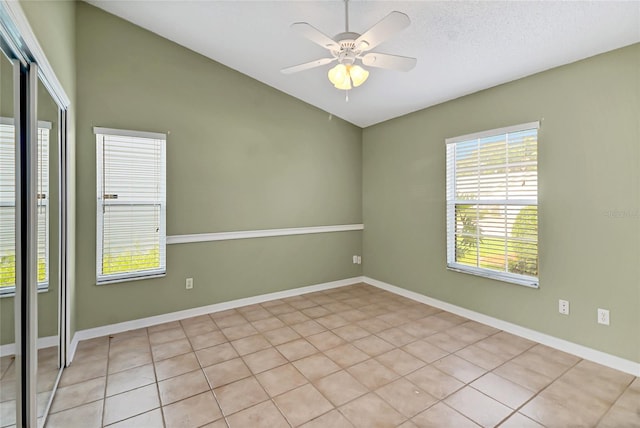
(33, 233)
(8, 368)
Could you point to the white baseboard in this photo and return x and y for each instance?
(71, 349)
(581, 351)
(202, 310)
(43, 342)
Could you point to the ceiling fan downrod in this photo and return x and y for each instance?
(346, 16)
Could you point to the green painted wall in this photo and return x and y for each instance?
(589, 165)
(53, 23)
(240, 156)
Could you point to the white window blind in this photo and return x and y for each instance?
(492, 204)
(8, 205)
(131, 236)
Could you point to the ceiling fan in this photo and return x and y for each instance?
(349, 47)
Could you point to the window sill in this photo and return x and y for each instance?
(130, 278)
(504, 277)
(42, 288)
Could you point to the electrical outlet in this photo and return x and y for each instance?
(189, 283)
(355, 260)
(563, 307)
(603, 316)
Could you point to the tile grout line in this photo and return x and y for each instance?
(271, 399)
(517, 410)
(514, 411)
(345, 369)
(390, 308)
(369, 390)
(449, 354)
(374, 391)
(224, 415)
(81, 404)
(468, 384)
(133, 389)
(327, 330)
(615, 401)
(106, 381)
(155, 374)
(162, 406)
(213, 393)
(153, 361)
(431, 364)
(309, 382)
(458, 412)
(215, 397)
(211, 389)
(200, 368)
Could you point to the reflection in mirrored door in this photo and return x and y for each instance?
(48, 209)
(33, 228)
(8, 372)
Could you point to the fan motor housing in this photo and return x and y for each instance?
(348, 49)
(346, 39)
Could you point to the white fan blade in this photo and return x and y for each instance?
(387, 27)
(307, 65)
(391, 62)
(315, 35)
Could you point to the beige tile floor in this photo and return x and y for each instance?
(45, 380)
(352, 356)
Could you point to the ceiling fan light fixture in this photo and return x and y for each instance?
(343, 75)
(358, 75)
(345, 85)
(337, 73)
(339, 76)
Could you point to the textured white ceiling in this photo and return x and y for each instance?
(462, 46)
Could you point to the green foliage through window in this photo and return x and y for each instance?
(131, 261)
(8, 270)
(525, 244)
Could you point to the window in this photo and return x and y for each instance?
(8, 206)
(131, 237)
(492, 204)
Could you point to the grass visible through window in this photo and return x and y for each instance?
(131, 261)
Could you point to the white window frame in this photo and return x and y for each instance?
(451, 203)
(101, 279)
(43, 286)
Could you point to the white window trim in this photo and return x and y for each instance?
(452, 265)
(43, 124)
(128, 133)
(128, 276)
(493, 132)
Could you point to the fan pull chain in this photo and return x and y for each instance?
(346, 97)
